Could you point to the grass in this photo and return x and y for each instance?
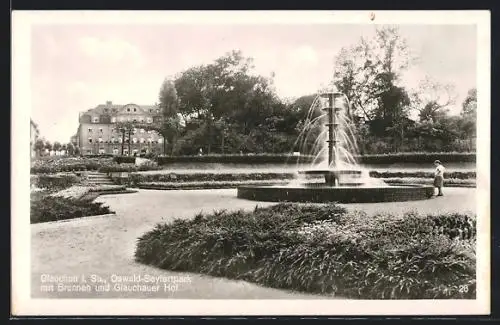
(323, 249)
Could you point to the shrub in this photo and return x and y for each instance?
(403, 157)
(208, 177)
(55, 182)
(323, 249)
(429, 181)
(127, 167)
(124, 159)
(406, 174)
(237, 159)
(418, 157)
(51, 166)
(50, 208)
(202, 185)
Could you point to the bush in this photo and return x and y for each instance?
(405, 174)
(237, 159)
(202, 185)
(208, 177)
(452, 182)
(392, 158)
(418, 157)
(52, 166)
(55, 182)
(46, 208)
(323, 249)
(124, 159)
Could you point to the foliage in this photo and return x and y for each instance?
(124, 159)
(234, 159)
(55, 182)
(448, 182)
(407, 174)
(324, 249)
(418, 157)
(46, 208)
(63, 164)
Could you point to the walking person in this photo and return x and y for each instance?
(439, 177)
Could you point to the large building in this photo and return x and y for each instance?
(34, 133)
(98, 132)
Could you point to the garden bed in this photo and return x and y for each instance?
(46, 208)
(324, 249)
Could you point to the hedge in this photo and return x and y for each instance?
(324, 249)
(54, 182)
(46, 208)
(448, 182)
(237, 159)
(418, 157)
(404, 157)
(140, 178)
(124, 159)
(204, 185)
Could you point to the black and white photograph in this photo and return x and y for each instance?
(251, 163)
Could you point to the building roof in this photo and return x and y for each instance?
(113, 109)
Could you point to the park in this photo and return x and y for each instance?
(328, 196)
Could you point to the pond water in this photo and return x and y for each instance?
(281, 168)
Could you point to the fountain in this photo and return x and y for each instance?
(344, 180)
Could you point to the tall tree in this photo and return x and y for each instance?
(39, 146)
(469, 106)
(366, 70)
(125, 129)
(432, 98)
(169, 126)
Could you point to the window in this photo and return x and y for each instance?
(115, 151)
(101, 151)
(113, 120)
(113, 140)
(135, 121)
(142, 140)
(90, 130)
(142, 130)
(89, 151)
(150, 120)
(134, 140)
(100, 140)
(135, 110)
(128, 109)
(125, 151)
(90, 140)
(142, 120)
(134, 131)
(100, 130)
(96, 119)
(119, 140)
(150, 110)
(135, 151)
(149, 140)
(105, 110)
(160, 140)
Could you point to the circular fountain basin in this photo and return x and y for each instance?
(340, 194)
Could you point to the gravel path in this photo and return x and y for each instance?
(103, 247)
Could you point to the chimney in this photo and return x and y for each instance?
(109, 102)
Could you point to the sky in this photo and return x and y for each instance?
(76, 67)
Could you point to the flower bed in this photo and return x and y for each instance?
(52, 166)
(46, 208)
(54, 182)
(324, 249)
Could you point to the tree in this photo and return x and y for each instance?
(225, 91)
(57, 146)
(169, 126)
(71, 148)
(48, 145)
(39, 146)
(469, 106)
(432, 98)
(364, 71)
(125, 129)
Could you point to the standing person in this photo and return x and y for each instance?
(439, 177)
